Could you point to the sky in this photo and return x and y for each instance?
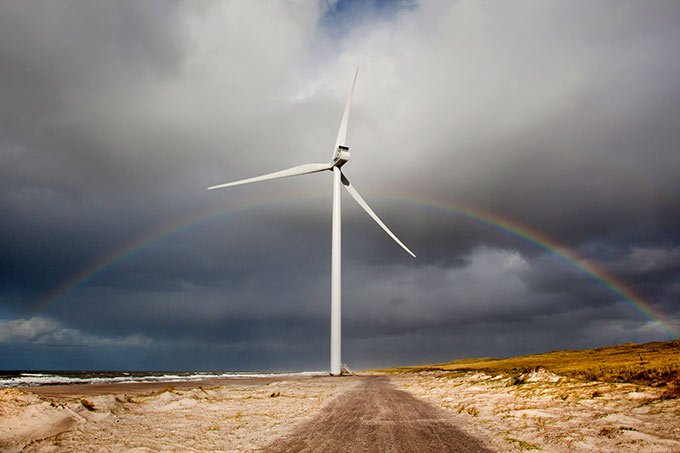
(527, 152)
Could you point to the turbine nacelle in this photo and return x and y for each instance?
(341, 156)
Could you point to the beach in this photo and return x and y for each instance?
(241, 414)
(546, 412)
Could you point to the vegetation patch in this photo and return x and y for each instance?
(654, 364)
(523, 444)
(87, 404)
(609, 432)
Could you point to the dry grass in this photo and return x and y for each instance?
(655, 364)
(87, 404)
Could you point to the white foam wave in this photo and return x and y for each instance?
(38, 379)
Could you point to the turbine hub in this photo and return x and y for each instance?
(341, 156)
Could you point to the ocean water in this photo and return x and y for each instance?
(19, 378)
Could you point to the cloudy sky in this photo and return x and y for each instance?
(528, 153)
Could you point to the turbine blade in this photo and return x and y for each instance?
(353, 192)
(342, 132)
(294, 171)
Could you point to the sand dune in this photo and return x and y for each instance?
(234, 416)
(552, 413)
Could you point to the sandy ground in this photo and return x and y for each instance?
(551, 413)
(232, 416)
(546, 413)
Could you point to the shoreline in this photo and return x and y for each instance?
(69, 390)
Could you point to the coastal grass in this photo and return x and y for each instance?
(654, 364)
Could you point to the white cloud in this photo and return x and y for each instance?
(47, 331)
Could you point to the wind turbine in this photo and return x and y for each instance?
(339, 158)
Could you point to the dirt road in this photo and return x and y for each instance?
(375, 416)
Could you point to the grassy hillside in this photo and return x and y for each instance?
(656, 364)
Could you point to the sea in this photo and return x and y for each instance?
(32, 378)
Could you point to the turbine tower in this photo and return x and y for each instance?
(339, 158)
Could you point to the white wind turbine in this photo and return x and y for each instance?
(339, 158)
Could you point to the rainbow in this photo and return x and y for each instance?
(138, 245)
(614, 286)
(603, 278)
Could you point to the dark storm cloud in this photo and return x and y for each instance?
(115, 117)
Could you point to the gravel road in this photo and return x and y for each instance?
(375, 416)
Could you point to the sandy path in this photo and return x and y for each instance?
(375, 416)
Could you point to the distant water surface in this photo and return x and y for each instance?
(22, 378)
